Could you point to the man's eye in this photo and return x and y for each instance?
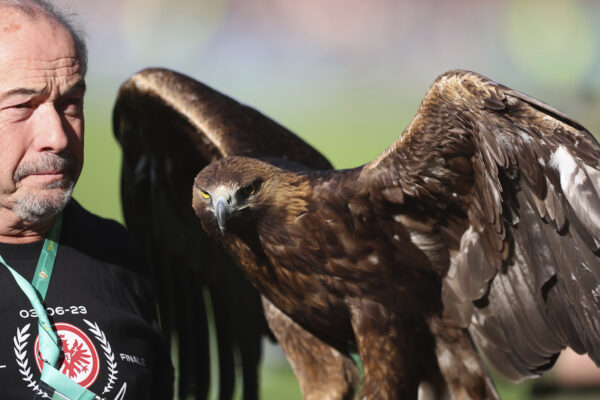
(72, 106)
(23, 105)
(17, 112)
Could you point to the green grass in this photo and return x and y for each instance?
(279, 382)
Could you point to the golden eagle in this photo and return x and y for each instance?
(479, 224)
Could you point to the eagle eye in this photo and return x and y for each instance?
(249, 190)
(204, 194)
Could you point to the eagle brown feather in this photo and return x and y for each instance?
(344, 273)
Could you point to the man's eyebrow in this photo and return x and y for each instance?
(24, 92)
(79, 86)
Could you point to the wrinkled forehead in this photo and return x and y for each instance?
(35, 50)
(33, 33)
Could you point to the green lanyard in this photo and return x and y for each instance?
(64, 387)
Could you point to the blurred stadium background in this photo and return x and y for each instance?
(346, 75)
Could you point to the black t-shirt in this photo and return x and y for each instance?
(100, 303)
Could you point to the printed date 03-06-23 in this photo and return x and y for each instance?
(54, 311)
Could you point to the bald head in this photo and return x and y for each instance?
(36, 9)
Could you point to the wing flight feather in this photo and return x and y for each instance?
(524, 179)
(169, 127)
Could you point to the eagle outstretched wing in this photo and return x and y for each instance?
(501, 192)
(169, 127)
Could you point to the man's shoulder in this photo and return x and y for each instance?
(101, 238)
(86, 223)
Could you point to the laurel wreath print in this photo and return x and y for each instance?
(108, 354)
(20, 341)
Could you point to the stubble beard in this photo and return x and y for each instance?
(37, 205)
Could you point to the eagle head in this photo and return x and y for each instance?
(232, 189)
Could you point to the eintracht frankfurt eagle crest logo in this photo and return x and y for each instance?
(81, 362)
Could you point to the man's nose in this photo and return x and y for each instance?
(50, 132)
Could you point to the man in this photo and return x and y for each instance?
(97, 298)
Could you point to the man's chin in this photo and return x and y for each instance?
(39, 205)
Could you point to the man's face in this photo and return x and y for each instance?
(41, 115)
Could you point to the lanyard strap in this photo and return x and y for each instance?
(48, 339)
(43, 271)
(64, 387)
